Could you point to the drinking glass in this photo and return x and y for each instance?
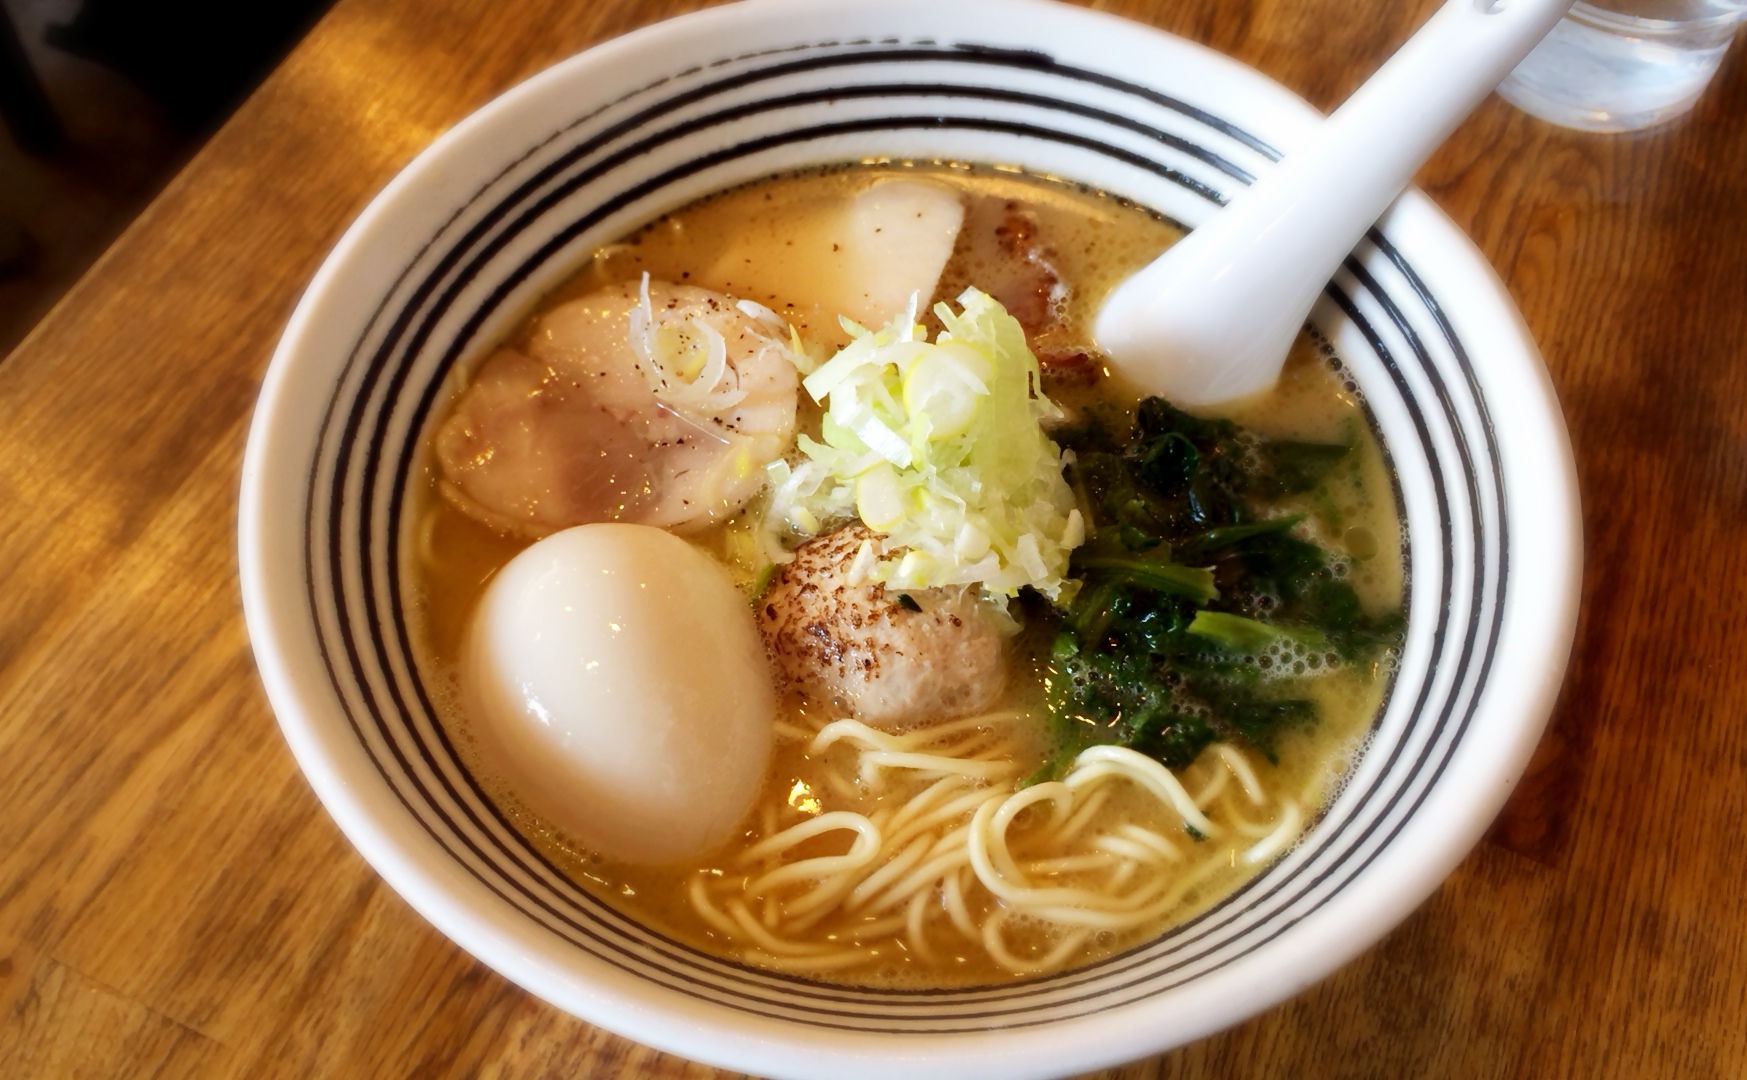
(1624, 65)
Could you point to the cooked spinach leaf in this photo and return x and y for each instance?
(1190, 586)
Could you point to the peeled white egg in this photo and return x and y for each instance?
(618, 684)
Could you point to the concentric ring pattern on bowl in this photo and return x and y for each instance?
(458, 248)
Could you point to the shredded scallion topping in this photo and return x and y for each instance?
(939, 446)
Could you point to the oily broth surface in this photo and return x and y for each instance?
(1095, 242)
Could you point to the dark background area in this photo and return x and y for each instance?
(103, 100)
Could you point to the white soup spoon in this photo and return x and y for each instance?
(1210, 321)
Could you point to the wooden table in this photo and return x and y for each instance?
(173, 901)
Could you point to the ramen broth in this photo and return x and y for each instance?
(1094, 242)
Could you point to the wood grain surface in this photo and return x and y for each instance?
(174, 902)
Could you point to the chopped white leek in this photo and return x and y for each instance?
(938, 446)
(683, 359)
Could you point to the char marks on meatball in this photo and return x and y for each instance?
(860, 647)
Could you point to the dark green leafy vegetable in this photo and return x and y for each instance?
(1287, 468)
(1189, 585)
(1235, 631)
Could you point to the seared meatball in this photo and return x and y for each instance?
(860, 647)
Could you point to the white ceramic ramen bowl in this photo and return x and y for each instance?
(514, 199)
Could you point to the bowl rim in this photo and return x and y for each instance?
(624, 1003)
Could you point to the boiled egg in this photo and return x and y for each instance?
(619, 689)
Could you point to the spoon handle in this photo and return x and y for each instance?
(1212, 319)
